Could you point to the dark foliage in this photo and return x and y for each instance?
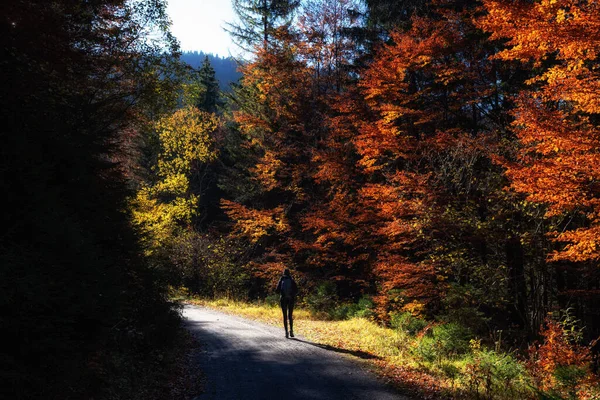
(76, 294)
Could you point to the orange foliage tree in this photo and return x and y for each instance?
(425, 105)
(272, 124)
(557, 123)
(557, 115)
(282, 117)
(399, 91)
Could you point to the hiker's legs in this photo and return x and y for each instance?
(290, 307)
(283, 304)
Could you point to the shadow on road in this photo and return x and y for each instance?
(246, 360)
(356, 353)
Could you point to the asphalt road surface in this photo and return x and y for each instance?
(248, 360)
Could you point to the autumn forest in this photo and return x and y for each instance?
(433, 163)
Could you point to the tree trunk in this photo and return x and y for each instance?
(515, 261)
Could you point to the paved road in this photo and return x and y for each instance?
(247, 360)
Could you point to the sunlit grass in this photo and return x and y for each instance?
(260, 312)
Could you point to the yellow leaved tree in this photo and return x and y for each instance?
(162, 209)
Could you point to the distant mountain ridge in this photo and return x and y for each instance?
(225, 67)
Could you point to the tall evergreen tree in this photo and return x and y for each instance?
(210, 98)
(259, 20)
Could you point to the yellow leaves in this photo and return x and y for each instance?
(266, 170)
(158, 221)
(185, 138)
(423, 60)
(176, 184)
(555, 75)
(561, 16)
(160, 211)
(415, 307)
(193, 92)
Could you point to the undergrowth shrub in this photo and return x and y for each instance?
(362, 309)
(365, 308)
(560, 365)
(407, 322)
(324, 302)
(449, 370)
(344, 311)
(428, 349)
(323, 299)
(495, 375)
(209, 266)
(443, 341)
(461, 305)
(272, 300)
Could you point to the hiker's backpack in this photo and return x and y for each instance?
(287, 290)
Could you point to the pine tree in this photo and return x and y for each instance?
(209, 99)
(259, 20)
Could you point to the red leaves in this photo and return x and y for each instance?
(559, 365)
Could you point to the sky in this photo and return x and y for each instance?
(198, 24)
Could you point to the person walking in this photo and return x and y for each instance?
(287, 288)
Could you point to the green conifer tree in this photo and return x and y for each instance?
(210, 99)
(258, 20)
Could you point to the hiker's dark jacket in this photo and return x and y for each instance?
(281, 284)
